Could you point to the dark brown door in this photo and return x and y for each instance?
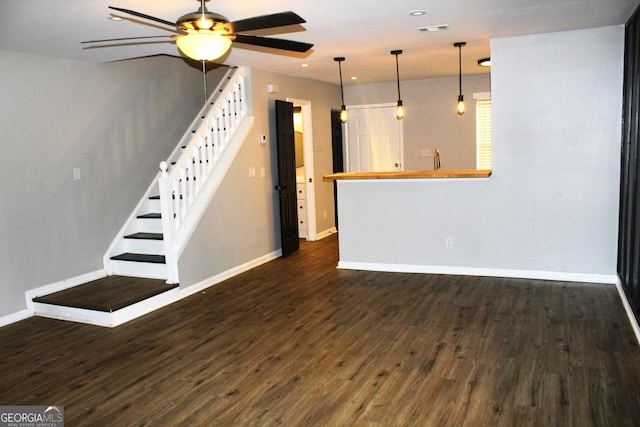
(286, 186)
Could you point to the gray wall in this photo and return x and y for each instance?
(551, 204)
(113, 121)
(431, 120)
(242, 222)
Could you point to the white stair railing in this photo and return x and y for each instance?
(181, 184)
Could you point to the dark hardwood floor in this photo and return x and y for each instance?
(297, 342)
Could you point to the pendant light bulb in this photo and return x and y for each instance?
(343, 109)
(460, 107)
(460, 104)
(343, 115)
(399, 108)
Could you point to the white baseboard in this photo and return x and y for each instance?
(491, 272)
(15, 317)
(326, 233)
(200, 286)
(627, 308)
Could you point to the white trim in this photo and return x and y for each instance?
(15, 317)
(491, 272)
(214, 280)
(627, 308)
(326, 233)
(61, 286)
(309, 160)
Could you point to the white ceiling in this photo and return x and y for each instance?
(362, 31)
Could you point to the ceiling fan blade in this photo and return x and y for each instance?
(267, 21)
(142, 15)
(273, 43)
(124, 38)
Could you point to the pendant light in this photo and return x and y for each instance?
(484, 62)
(399, 108)
(343, 111)
(460, 96)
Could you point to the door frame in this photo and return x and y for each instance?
(346, 132)
(307, 140)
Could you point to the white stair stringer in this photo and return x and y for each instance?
(144, 234)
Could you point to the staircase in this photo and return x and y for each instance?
(150, 243)
(152, 239)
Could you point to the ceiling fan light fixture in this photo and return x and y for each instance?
(203, 45)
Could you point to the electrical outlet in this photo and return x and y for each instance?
(76, 174)
(449, 242)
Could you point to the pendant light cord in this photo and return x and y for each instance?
(341, 88)
(398, 75)
(460, 69)
(204, 81)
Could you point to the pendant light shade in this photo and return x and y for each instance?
(400, 107)
(343, 110)
(203, 45)
(460, 107)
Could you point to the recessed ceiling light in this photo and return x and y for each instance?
(114, 18)
(417, 13)
(433, 28)
(305, 65)
(354, 77)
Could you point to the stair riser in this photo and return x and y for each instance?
(150, 205)
(145, 225)
(143, 246)
(139, 269)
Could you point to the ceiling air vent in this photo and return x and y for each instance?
(432, 28)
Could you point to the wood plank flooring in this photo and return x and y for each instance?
(297, 342)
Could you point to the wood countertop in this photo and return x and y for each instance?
(408, 175)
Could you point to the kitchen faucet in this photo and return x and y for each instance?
(436, 160)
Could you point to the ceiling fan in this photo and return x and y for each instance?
(206, 36)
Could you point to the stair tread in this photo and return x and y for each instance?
(145, 236)
(128, 256)
(156, 197)
(152, 215)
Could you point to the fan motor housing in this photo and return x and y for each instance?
(203, 20)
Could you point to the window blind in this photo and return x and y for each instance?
(484, 157)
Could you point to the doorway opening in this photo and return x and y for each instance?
(305, 179)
